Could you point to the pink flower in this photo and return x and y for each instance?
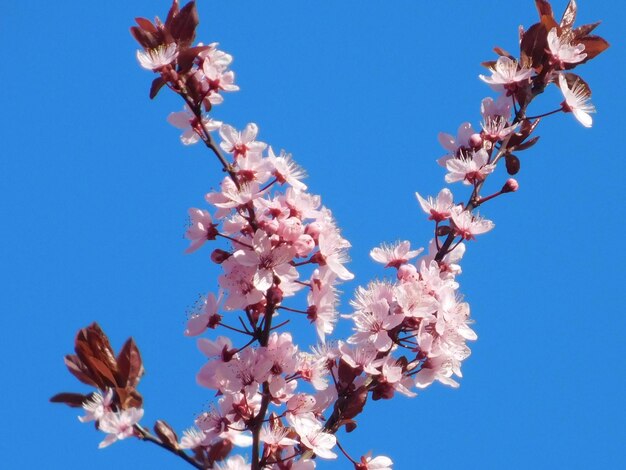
(440, 208)
(501, 107)
(470, 169)
(154, 59)
(205, 316)
(313, 437)
(454, 144)
(286, 170)
(119, 425)
(97, 406)
(563, 52)
(265, 258)
(322, 300)
(240, 143)
(394, 255)
(186, 121)
(507, 75)
(332, 251)
(218, 80)
(192, 439)
(577, 101)
(467, 225)
(377, 463)
(373, 324)
(233, 463)
(201, 229)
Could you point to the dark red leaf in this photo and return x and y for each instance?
(594, 46)
(502, 52)
(352, 405)
(186, 57)
(584, 30)
(533, 46)
(145, 39)
(174, 9)
(166, 434)
(129, 365)
(156, 86)
(350, 424)
(569, 16)
(512, 164)
(79, 370)
(528, 144)
(544, 8)
(146, 25)
(183, 25)
(75, 400)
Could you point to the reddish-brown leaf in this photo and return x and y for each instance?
(98, 343)
(146, 25)
(186, 57)
(528, 144)
(183, 25)
(569, 16)
(75, 400)
(594, 46)
(533, 46)
(166, 434)
(502, 52)
(129, 365)
(156, 86)
(147, 40)
(544, 8)
(174, 9)
(78, 369)
(354, 403)
(584, 30)
(350, 424)
(512, 164)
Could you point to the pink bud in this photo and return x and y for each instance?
(476, 141)
(219, 256)
(510, 186)
(274, 295)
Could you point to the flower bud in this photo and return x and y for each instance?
(510, 186)
(219, 256)
(274, 295)
(476, 141)
(407, 272)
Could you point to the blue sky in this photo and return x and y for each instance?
(96, 186)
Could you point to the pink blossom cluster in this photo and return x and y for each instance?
(273, 239)
(117, 424)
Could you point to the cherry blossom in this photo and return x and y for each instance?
(97, 406)
(159, 57)
(507, 75)
(205, 315)
(577, 101)
(241, 143)
(313, 437)
(119, 425)
(440, 208)
(394, 255)
(467, 225)
(190, 124)
(563, 52)
(374, 463)
(469, 168)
